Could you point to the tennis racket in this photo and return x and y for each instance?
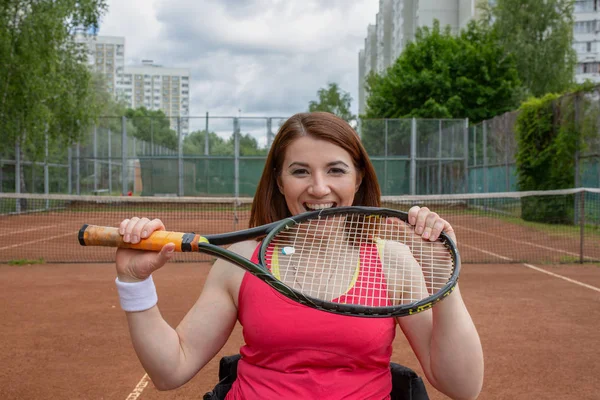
(360, 261)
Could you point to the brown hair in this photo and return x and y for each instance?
(269, 204)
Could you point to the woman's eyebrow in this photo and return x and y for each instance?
(305, 165)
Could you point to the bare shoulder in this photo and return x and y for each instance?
(228, 275)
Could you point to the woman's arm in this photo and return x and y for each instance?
(170, 356)
(447, 345)
(444, 338)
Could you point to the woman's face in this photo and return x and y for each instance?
(317, 174)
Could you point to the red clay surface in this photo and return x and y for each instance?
(64, 335)
(52, 236)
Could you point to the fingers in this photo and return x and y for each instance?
(429, 224)
(135, 229)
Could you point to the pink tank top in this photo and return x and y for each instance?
(295, 352)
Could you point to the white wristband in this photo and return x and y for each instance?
(137, 296)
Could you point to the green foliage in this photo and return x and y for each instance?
(152, 126)
(548, 138)
(333, 100)
(44, 80)
(194, 144)
(441, 75)
(539, 34)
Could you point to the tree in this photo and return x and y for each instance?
(194, 144)
(45, 84)
(152, 126)
(333, 100)
(441, 75)
(539, 34)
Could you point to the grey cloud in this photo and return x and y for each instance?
(262, 74)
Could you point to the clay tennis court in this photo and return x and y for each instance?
(64, 335)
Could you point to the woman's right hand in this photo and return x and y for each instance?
(137, 265)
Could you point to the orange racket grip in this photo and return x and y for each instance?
(93, 235)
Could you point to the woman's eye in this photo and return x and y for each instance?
(337, 171)
(299, 172)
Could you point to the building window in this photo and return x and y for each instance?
(585, 6)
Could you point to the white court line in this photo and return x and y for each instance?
(585, 285)
(521, 241)
(487, 252)
(137, 391)
(34, 229)
(39, 240)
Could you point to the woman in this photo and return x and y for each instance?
(293, 352)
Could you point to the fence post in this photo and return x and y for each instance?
(236, 157)
(124, 156)
(385, 160)
(179, 158)
(109, 163)
(413, 157)
(206, 154)
(466, 153)
(269, 133)
(18, 174)
(46, 172)
(581, 224)
(439, 172)
(486, 187)
(95, 159)
(70, 169)
(78, 169)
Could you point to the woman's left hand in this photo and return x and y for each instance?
(429, 224)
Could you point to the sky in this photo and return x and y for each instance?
(248, 57)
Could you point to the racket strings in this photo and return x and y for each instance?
(360, 259)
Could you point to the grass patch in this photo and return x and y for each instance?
(26, 262)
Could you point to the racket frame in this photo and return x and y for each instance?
(211, 245)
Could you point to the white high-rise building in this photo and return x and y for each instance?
(586, 39)
(396, 24)
(106, 56)
(158, 88)
(148, 85)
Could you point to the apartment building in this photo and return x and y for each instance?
(586, 39)
(106, 56)
(398, 20)
(396, 24)
(158, 88)
(148, 85)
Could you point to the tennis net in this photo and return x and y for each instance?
(560, 226)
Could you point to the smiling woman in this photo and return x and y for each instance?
(316, 163)
(315, 158)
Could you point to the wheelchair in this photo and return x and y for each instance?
(406, 384)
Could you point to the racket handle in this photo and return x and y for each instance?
(93, 235)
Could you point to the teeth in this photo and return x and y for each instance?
(318, 206)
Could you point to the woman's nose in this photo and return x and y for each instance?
(319, 186)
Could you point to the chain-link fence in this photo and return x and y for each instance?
(176, 157)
